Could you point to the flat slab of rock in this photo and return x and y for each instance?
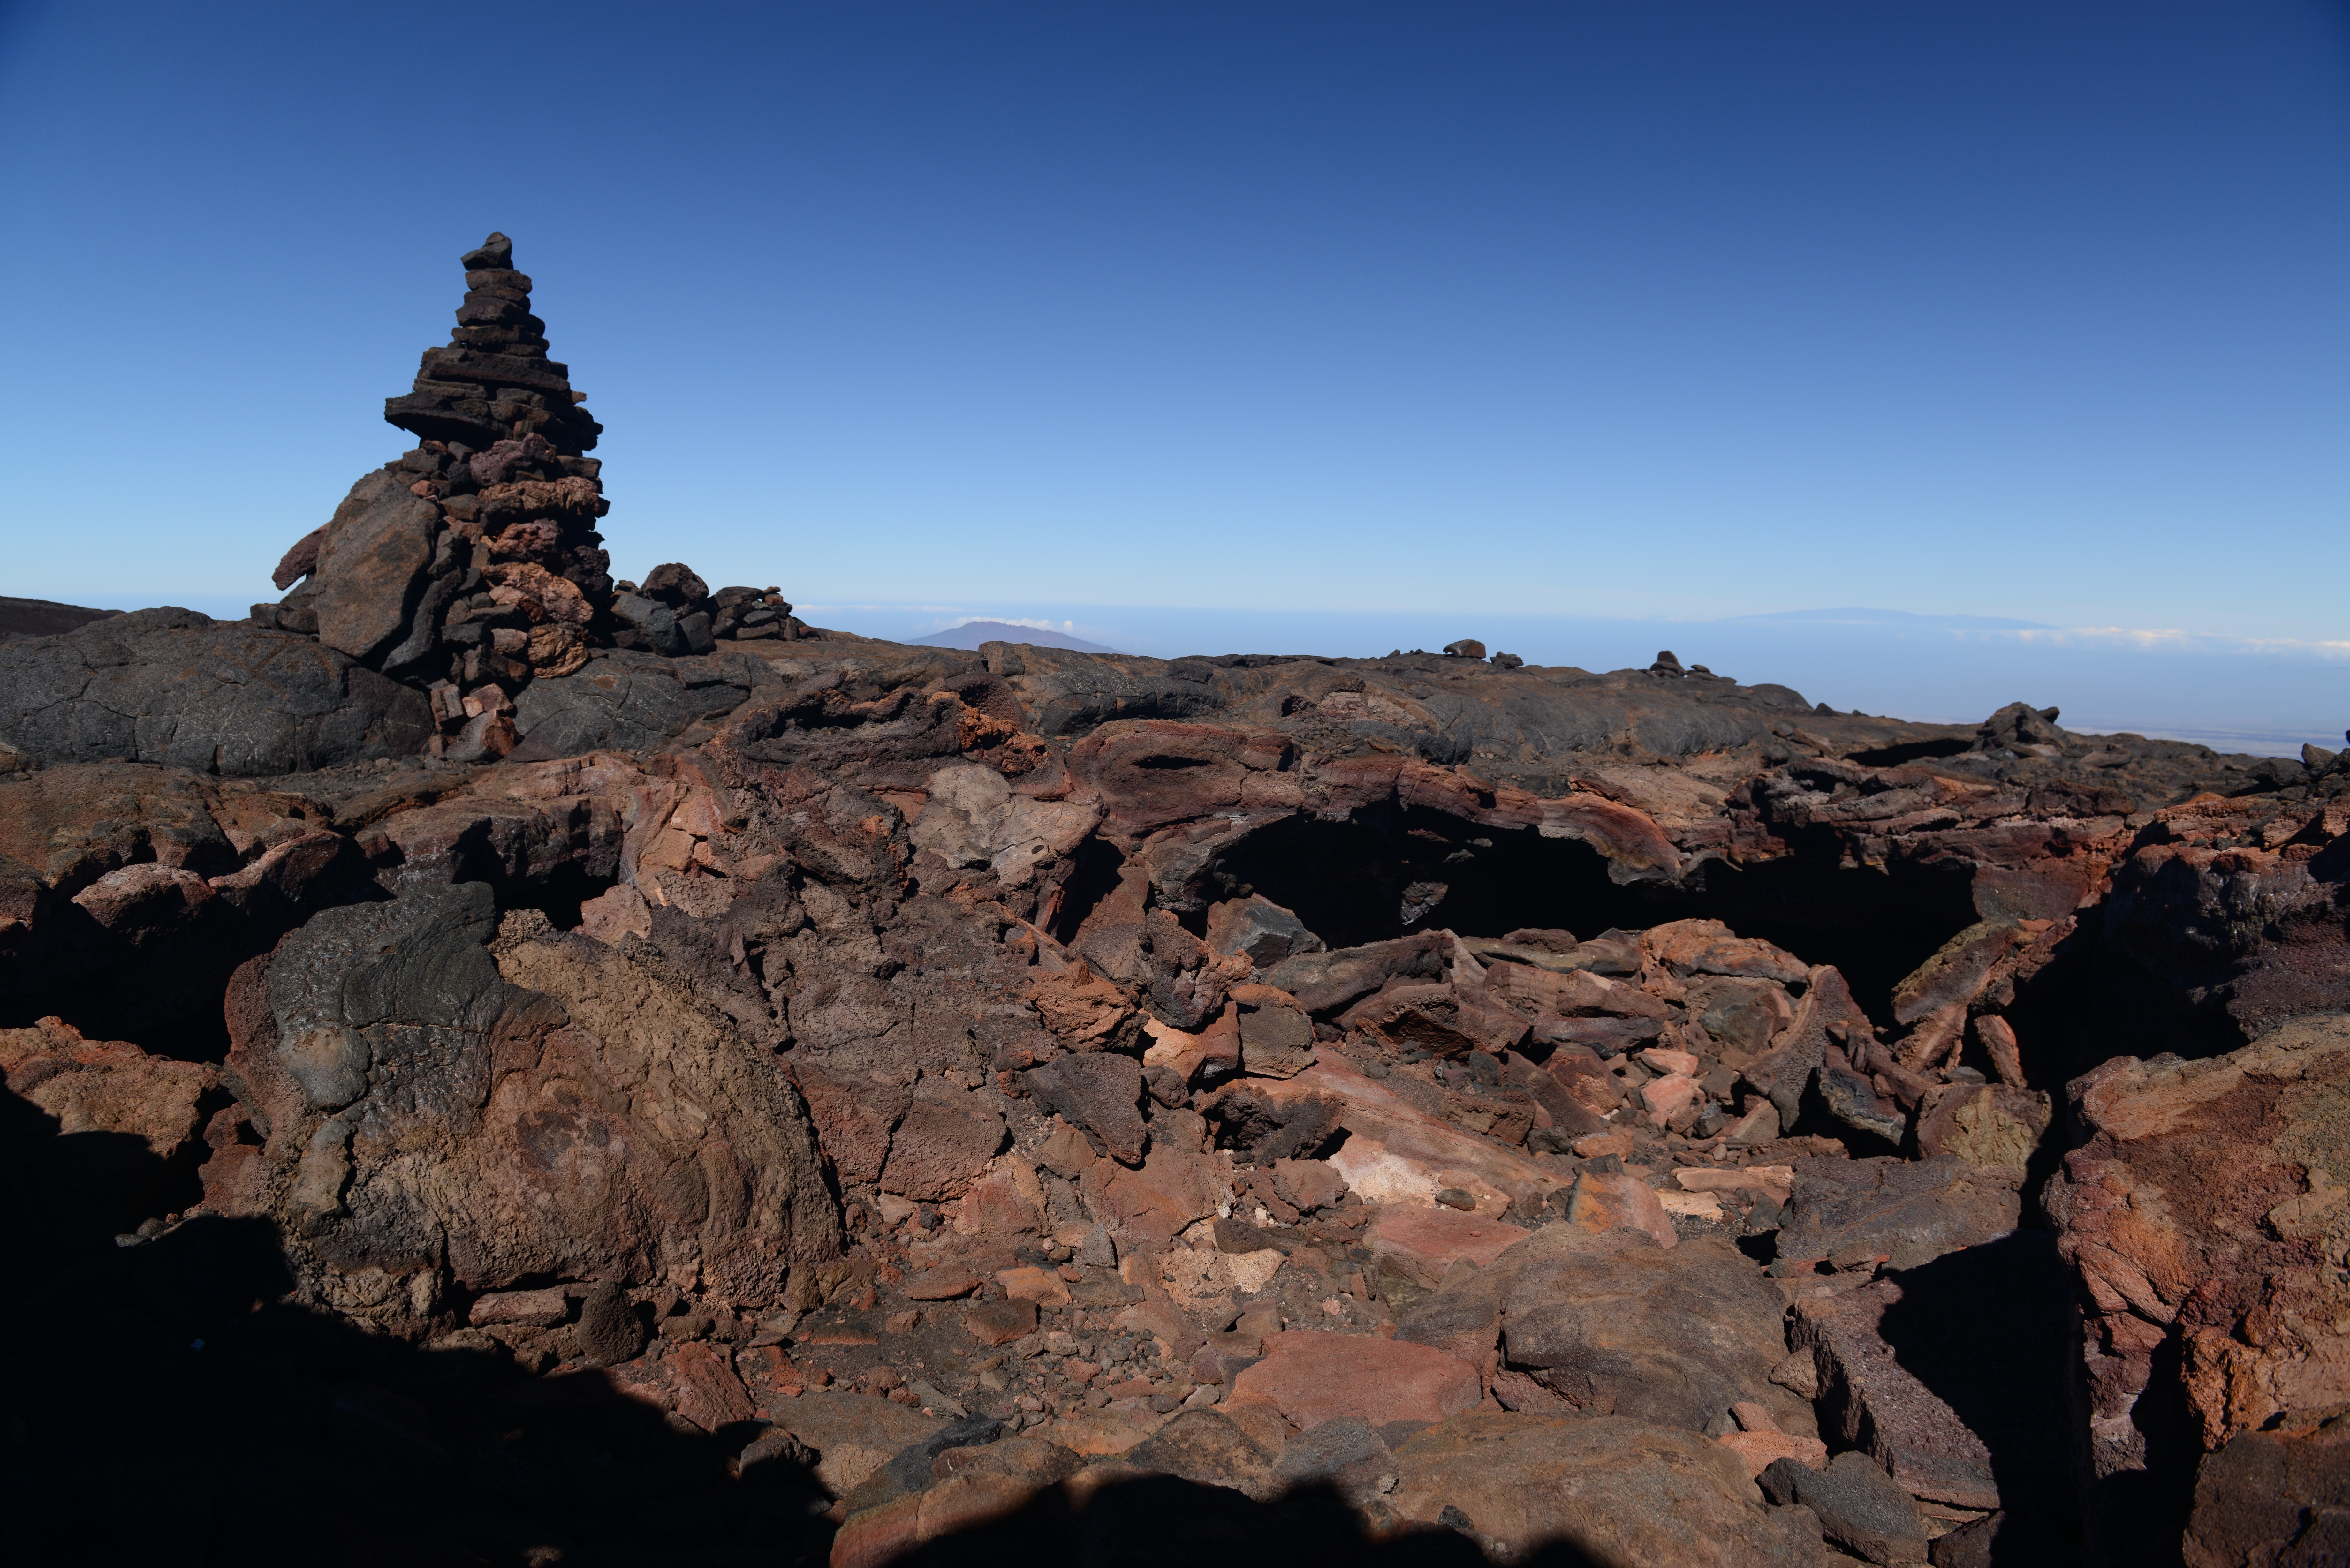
(1883, 1407)
(1317, 1377)
(1000, 1323)
(1906, 1210)
(1420, 1245)
(942, 1283)
(372, 564)
(1671, 1337)
(533, 1309)
(1627, 1494)
(1396, 1153)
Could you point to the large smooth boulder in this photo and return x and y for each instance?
(175, 687)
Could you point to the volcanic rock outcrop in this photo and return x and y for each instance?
(640, 1079)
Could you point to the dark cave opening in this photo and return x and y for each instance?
(2096, 1003)
(165, 997)
(1094, 880)
(1911, 751)
(558, 895)
(1377, 876)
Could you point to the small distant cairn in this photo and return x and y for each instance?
(1668, 668)
(1470, 648)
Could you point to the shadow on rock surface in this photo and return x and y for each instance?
(1159, 1520)
(167, 1406)
(2137, 1514)
(1990, 1331)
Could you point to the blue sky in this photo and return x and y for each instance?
(1680, 311)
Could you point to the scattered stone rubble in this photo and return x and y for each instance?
(638, 1079)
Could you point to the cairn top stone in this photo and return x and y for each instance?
(498, 251)
(494, 380)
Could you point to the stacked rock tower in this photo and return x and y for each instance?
(472, 566)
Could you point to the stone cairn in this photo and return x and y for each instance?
(472, 566)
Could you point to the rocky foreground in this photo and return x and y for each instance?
(510, 1072)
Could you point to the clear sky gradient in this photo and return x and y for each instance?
(1670, 310)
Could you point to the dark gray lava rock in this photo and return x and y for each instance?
(1099, 1093)
(609, 1331)
(1858, 1506)
(628, 700)
(175, 687)
(1669, 1337)
(1072, 700)
(44, 618)
(1346, 1454)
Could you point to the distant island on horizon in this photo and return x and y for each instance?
(972, 633)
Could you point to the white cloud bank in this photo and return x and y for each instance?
(2165, 639)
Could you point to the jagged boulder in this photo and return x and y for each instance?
(2207, 1215)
